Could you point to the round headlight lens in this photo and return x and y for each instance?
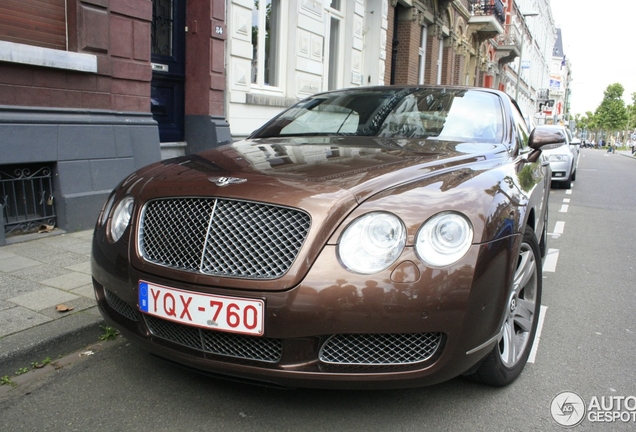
(372, 242)
(121, 217)
(444, 239)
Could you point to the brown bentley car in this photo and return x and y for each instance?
(376, 237)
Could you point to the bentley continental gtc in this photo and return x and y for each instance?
(376, 237)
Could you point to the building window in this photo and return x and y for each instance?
(422, 56)
(265, 42)
(332, 57)
(440, 61)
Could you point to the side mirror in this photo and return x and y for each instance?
(546, 138)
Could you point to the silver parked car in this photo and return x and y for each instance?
(563, 160)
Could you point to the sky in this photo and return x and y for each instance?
(598, 39)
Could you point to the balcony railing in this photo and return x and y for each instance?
(488, 8)
(510, 37)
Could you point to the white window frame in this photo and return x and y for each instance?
(422, 54)
(330, 64)
(440, 59)
(276, 46)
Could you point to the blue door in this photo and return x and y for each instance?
(167, 92)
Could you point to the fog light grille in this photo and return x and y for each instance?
(380, 349)
(120, 306)
(214, 342)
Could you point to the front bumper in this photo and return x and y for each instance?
(452, 312)
(561, 170)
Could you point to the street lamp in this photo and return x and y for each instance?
(528, 14)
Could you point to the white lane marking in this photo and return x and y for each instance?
(564, 208)
(550, 261)
(537, 337)
(568, 192)
(566, 200)
(559, 227)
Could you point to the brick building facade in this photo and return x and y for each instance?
(83, 101)
(112, 85)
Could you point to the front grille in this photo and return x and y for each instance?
(215, 342)
(120, 306)
(380, 349)
(222, 237)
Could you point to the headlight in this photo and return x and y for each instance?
(121, 218)
(558, 157)
(444, 239)
(103, 216)
(372, 242)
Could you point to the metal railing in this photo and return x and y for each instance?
(510, 37)
(26, 198)
(488, 7)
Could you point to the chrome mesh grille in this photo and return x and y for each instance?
(120, 306)
(222, 237)
(380, 349)
(214, 342)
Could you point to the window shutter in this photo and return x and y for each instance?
(34, 22)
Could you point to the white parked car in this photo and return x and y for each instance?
(563, 160)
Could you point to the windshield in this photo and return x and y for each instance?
(420, 113)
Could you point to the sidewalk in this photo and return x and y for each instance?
(39, 275)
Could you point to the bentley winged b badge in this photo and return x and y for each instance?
(225, 181)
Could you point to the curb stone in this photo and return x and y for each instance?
(52, 340)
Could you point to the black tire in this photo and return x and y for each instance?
(568, 183)
(503, 365)
(573, 175)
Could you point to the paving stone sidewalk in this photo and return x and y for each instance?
(37, 276)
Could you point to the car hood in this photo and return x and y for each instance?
(326, 178)
(282, 171)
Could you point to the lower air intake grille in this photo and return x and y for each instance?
(214, 342)
(120, 306)
(380, 349)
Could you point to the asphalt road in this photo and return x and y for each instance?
(587, 346)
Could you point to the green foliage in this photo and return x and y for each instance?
(611, 114)
(631, 113)
(109, 333)
(5, 380)
(587, 123)
(37, 365)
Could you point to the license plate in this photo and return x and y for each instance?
(229, 314)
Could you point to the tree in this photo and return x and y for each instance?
(587, 123)
(631, 114)
(611, 114)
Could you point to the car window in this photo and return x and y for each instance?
(521, 129)
(421, 113)
(328, 119)
(475, 116)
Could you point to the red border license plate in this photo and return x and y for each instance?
(229, 314)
